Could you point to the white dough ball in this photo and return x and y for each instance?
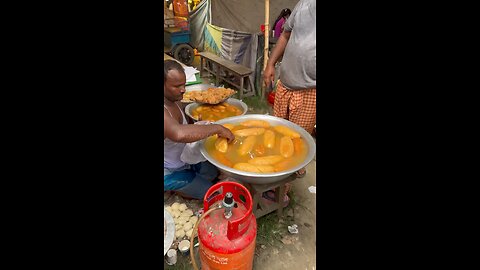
(189, 233)
(175, 206)
(182, 207)
(169, 209)
(187, 226)
(187, 213)
(193, 219)
(179, 233)
(183, 219)
(176, 213)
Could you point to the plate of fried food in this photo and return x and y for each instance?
(212, 95)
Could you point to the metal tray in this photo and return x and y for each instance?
(203, 87)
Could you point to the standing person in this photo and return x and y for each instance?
(280, 21)
(295, 97)
(188, 180)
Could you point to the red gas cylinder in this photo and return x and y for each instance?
(227, 238)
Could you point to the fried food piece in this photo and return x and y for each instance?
(266, 160)
(247, 145)
(229, 126)
(269, 139)
(221, 145)
(298, 145)
(286, 146)
(211, 95)
(253, 168)
(255, 123)
(287, 131)
(246, 167)
(265, 168)
(249, 132)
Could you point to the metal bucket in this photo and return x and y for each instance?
(233, 101)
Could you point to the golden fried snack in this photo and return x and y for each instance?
(249, 132)
(221, 145)
(255, 123)
(298, 145)
(211, 95)
(247, 145)
(254, 168)
(246, 167)
(265, 168)
(286, 146)
(266, 160)
(287, 131)
(269, 139)
(229, 126)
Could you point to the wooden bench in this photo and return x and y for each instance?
(216, 65)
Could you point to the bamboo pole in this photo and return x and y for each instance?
(265, 48)
(266, 33)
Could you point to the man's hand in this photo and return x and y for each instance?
(225, 133)
(268, 75)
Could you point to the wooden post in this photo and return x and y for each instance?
(265, 48)
(266, 33)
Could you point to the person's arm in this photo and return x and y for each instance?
(192, 133)
(278, 50)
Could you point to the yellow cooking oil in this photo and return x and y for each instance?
(262, 156)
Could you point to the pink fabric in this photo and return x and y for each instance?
(278, 27)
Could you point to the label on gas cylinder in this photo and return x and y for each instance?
(213, 258)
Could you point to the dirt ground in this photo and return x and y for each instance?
(297, 251)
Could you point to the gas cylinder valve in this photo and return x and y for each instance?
(228, 204)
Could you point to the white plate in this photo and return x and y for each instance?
(168, 240)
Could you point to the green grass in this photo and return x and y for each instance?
(257, 105)
(270, 230)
